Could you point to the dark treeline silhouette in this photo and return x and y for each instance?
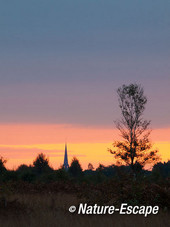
(104, 184)
(41, 171)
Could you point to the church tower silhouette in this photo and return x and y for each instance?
(65, 165)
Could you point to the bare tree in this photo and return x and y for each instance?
(135, 148)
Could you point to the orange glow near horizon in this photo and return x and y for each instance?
(21, 143)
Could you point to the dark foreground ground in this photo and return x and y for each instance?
(46, 205)
(48, 210)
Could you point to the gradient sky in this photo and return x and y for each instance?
(62, 61)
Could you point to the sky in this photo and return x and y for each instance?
(61, 63)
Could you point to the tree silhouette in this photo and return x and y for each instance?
(135, 148)
(162, 169)
(41, 164)
(90, 167)
(75, 168)
(23, 168)
(2, 164)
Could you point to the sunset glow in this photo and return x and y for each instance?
(61, 64)
(21, 143)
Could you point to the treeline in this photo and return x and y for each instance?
(41, 171)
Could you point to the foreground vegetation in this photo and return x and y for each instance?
(52, 210)
(37, 193)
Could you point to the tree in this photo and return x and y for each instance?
(2, 164)
(90, 167)
(162, 169)
(23, 168)
(75, 168)
(41, 164)
(135, 148)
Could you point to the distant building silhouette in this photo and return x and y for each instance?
(65, 165)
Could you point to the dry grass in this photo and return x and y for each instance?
(48, 210)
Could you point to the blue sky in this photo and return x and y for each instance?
(62, 61)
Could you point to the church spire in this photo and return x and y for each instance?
(65, 165)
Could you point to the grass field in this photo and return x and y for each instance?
(51, 209)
